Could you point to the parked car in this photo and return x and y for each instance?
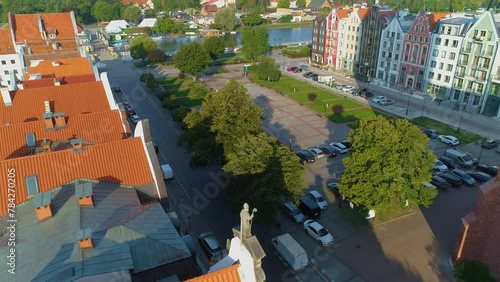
(210, 244)
(479, 176)
(439, 182)
(449, 163)
(466, 178)
(328, 150)
(291, 68)
(341, 149)
(488, 169)
(316, 197)
(117, 88)
(431, 133)
(348, 88)
(454, 180)
(340, 86)
(297, 70)
(333, 186)
(347, 144)
(318, 232)
(290, 251)
(448, 139)
(314, 77)
(305, 156)
(293, 211)
(386, 102)
(309, 207)
(458, 157)
(440, 166)
(489, 144)
(304, 67)
(379, 99)
(135, 118)
(308, 74)
(366, 94)
(318, 154)
(470, 156)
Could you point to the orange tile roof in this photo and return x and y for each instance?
(228, 274)
(344, 13)
(6, 46)
(72, 99)
(67, 67)
(122, 162)
(363, 13)
(25, 27)
(49, 82)
(434, 18)
(102, 127)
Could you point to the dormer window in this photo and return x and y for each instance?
(52, 36)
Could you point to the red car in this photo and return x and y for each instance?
(291, 68)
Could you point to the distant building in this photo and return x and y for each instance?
(145, 4)
(116, 26)
(148, 22)
(316, 5)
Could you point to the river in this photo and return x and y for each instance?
(276, 37)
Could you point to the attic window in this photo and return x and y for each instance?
(52, 35)
(31, 184)
(30, 140)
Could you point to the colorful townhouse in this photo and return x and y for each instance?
(333, 34)
(389, 56)
(350, 29)
(320, 38)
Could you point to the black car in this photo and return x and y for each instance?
(454, 181)
(488, 169)
(308, 74)
(489, 144)
(366, 94)
(117, 89)
(479, 176)
(314, 77)
(297, 70)
(431, 133)
(347, 144)
(451, 164)
(333, 186)
(306, 156)
(328, 150)
(439, 182)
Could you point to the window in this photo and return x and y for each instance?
(392, 34)
(408, 47)
(13, 62)
(416, 28)
(449, 67)
(476, 100)
(398, 36)
(447, 78)
(396, 57)
(398, 46)
(383, 54)
(455, 43)
(435, 53)
(414, 38)
(437, 41)
(448, 31)
(443, 54)
(452, 56)
(30, 140)
(385, 44)
(420, 38)
(456, 95)
(480, 88)
(431, 75)
(446, 42)
(382, 64)
(439, 76)
(441, 65)
(3, 62)
(466, 97)
(433, 64)
(16, 72)
(31, 184)
(426, 39)
(424, 50)
(6, 72)
(394, 67)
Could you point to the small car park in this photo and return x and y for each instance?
(317, 152)
(318, 232)
(341, 149)
(448, 139)
(454, 180)
(479, 176)
(379, 99)
(210, 244)
(318, 199)
(328, 150)
(305, 156)
(466, 178)
(491, 170)
(293, 211)
(439, 182)
(431, 133)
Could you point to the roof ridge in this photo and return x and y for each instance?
(130, 215)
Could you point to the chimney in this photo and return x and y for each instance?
(7, 100)
(56, 63)
(43, 205)
(56, 81)
(84, 237)
(77, 145)
(48, 121)
(84, 194)
(46, 145)
(60, 120)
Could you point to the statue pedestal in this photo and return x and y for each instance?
(255, 249)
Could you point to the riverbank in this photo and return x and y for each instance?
(284, 25)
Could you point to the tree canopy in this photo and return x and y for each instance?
(389, 163)
(192, 59)
(214, 46)
(141, 46)
(284, 4)
(267, 69)
(166, 25)
(107, 10)
(253, 18)
(255, 42)
(131, 13)
(226, 19)
(301, 3)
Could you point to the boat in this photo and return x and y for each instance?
(233, 32)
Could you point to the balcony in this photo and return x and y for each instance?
(463, 62)
(466, 50)
(484, 67)
(486, 54)
(460, 74)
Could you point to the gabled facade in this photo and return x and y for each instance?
(476, 58)
(445, 46)
(373, 25)
(11, 64)
(415, 52)
(319, 41)
(333, 35)
(390, 53)
(350, 29)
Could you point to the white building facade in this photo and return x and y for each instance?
(11, 63)
(349, 38)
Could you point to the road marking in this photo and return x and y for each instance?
(176, 177)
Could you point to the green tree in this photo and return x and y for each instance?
(131, 13)
(192, 59)
(301, 3)
(226, 19)
(325, 11)
(255, 41)
(286, 19)
(165, 25)
(473, 271)
(150, 13)
(284, 4)
(157, 56)
(106, 10)
(214, 46)
(389, 163)
(253, 18)
(141, 46)
(267, 69)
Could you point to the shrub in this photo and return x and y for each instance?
(157, 56)
(338, 109)
(152, 83)
(171, 102)
(145, 77)
(312, 96)
(162, 95)
(472, 271)
(180, 113)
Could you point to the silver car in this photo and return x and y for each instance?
(294, 212)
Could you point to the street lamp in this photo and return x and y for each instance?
(408, 105)
(423, 106)
(290, 143)
(461, 116)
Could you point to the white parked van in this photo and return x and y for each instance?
(167, 171)
(290, 251)
(460, 158)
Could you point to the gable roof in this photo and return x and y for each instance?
(65, 67)
(6, 46)
(434, 18)
(26, 27)
(223, 275)
(72, 99)
(49, 81)
(210, 8)
(386, 16)
(344, 13)
(318, 3)
(125, 235)
(121, 162)
(99, 127)
(363, 13)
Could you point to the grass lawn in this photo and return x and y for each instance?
(321, 95)
(347, 104)
(188, 91)
(444, 129)
(349, 116)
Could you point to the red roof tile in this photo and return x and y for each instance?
(49, 82)
(228, 274)
(122, 162)
(6, 45)
(66, 67)
(434, 18)
(100, 127)
(26, 27)
(72, 99)
(363, 13)
(211, 8)
(344, 13)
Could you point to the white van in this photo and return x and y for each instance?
(290, 251)
(167, 171)
(460, 158)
